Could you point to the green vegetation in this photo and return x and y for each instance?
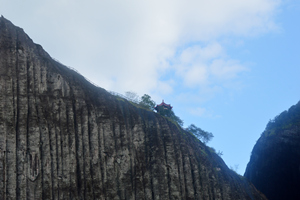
(147, 102)
(170, 114)
(132, 96)
(212, 150)
(284, 120)
(202, 135)
(203, 152)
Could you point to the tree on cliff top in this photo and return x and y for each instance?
(202, 135)
(132, 96)
(147, 102)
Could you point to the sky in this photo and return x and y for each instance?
(226, 66)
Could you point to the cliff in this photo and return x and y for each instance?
(64, 138)
(274, 166)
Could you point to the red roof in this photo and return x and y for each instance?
(163, 104)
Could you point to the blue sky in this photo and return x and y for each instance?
(226, 66)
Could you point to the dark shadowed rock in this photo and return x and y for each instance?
(274, 166)
(64, 138)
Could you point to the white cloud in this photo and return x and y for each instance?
(196, 53)
(127, 45)
(198, 111)
(203, 112)
(195, 75)
(206, 66)
(226, 69)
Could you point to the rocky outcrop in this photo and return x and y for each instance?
(274, 166)
(64, 138)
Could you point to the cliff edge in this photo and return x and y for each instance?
(274, 166)
(63, 138)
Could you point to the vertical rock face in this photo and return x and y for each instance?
(274, 166)
(63, 138)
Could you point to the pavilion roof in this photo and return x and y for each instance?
(164, 105)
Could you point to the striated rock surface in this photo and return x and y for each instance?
(274, 166)
(64, 138)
